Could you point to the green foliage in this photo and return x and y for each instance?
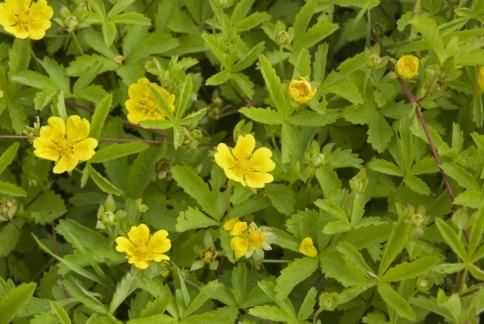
(384, 175)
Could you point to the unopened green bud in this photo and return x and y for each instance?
(461, 219)
(142, 208)
(423, 285)
(328, 301)
(359, 183)
(8, 209)
(110, 203)
(71, 23)
(283, 38)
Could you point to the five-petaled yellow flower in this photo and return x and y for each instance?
(307, 247)
(250, 240)
(141, 248)
(243, 164)
(407, 66)
(26, 19)
(301, 91)
(142, 103)
(480, 78)
(66, 142)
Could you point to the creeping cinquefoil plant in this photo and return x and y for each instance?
(241, 161)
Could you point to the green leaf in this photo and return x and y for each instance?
(274, 86)
(296, 272)
(385, 167)
(312, 119)
(109, 32)
(307, 306)
(14, 300)
(46, 208)
(416, 184)
(104, 184)
(19, 55)
(451, 238)
(192, 219)
(318, 32)
(118, 151)
(194, 186)
(185, 97)
(131, 18)
(9, 237)
(270, 313)
(101, 112)
(219, 315)
(431, 35)
(410, 270)
(60, 313)
(8, 156)
(476, 231)
(262, 115)
(461, 175)
(282, 197)
(34, 80)
(396, 301)
(397, 241)
(124, 288)
(353, 256)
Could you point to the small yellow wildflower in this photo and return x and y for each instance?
(250, 240)
(26, 19)
(66, 142)
(229, 224)
(141, 248)
(301, 91)
(243, 165)
(307, 247)
(408, 66)
(142, 103)
(480, 78)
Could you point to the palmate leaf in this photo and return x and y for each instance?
(14, 300)
(297, 271)
(396, 301)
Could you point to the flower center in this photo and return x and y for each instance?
(64, 146)
(149, 108)
(256, 239)
(302, 89)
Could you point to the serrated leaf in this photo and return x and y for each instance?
(385, 167)
(397, 241)
(296, 272)
(9, 237)
(410, 270)
(8, 156)
(46, 208)
(11, 190)
(274, 86)
(60, 313)
(118, 151)
(191, 219)
(396, 302)
(104, 184)
(261, 115)
(101, 112)
(282, 197)
(451, 238)
(270, 313)
(194, 186)
(14, 300)
(124, 288)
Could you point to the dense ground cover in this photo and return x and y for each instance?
(241, 161)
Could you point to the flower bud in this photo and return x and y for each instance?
(8, 209)
(407, 66)
(359, 183)
(301, 91)
(328, 301)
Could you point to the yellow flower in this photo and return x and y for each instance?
(243, 165)
(229, 224)
(480, 79)
(307, 247)
(250, 240)
(301, 91)
(239, 228)
(142, 103)
(141, 248)
(66, 142)
(408, 66)
(26, 19)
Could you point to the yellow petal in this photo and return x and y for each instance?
(160, 257)
(244, 147)
(124, 245)
(45, 149)
(6, 16)
(139, 235)
(18, 6)
(229, 225)
(258, 179)
(239, 228)
(240, 246)
(223, 157)
(85, 149)
(307, 247)
(261, 160)
(140, 264)
(66, 163)
(407, 66)
(235, 174)
(77, 129)
(159, 242)
(56, 127)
